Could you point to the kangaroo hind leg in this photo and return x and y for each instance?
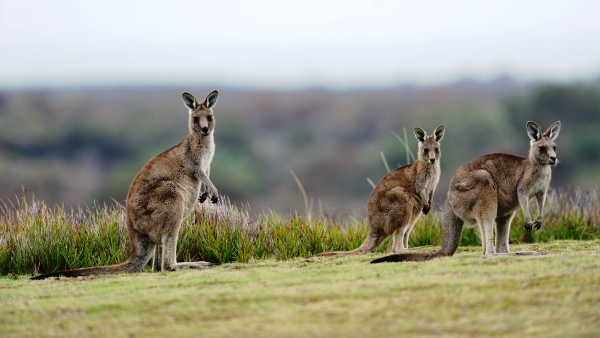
(503, 233)
(142, 251)
(157, 260)
(169, 255)
(398, 240)
(408, 231)
(484, 213)
(502, 237)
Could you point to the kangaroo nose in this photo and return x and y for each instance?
(432, 160)
(552, 159)
(204, 130)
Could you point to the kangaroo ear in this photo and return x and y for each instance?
(552, 132)
(533, 130)
(439, 133)
(420, 134)
(189, 100)
(211, 99)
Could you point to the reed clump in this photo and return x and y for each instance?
(37, 238)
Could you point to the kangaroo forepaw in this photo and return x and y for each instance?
(214, 199)
(537, 224)
(528, 226)
(203, 197)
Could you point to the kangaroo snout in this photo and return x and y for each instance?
(432, 160)
(552, 160)
(204, 131)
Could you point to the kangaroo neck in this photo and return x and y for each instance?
(199, 139)
(428, 166)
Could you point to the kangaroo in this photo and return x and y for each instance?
(399, 198)
(492, 188)
(162, 194)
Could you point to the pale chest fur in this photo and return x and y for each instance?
(199, 157)
(207, 155)
(427, 177)
(536, 179)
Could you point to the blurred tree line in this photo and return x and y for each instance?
(80, 145)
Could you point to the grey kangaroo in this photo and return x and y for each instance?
(399, 198)
(162, 194)
(491, 189)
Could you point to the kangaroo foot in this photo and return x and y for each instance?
(528, 253)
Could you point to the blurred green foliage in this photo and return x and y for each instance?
(77, 146)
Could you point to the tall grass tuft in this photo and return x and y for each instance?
(566, 216)
(35, 238)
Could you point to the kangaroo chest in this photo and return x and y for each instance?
(427, 179)
(207, 155)
(537, 180)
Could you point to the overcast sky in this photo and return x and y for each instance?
(295, 43)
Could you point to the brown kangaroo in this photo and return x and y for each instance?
(491, 189)
(163, 193)
(399, 198)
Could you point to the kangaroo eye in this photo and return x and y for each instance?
(543, 149)
(426, 151)
(554, 148)
(196, 119)
(209, 118)
(437, 150)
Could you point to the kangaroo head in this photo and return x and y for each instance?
(543, 148)
(429, 146)
(201, 119)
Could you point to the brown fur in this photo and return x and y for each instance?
(490, 189)
(162, 194)
(398, 200)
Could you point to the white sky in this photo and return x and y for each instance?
(295, 43)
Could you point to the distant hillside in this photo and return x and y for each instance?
(80, 145)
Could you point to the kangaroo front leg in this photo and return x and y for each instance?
(426, 201)
(540, 198)
(428, 204)
(211, 190)
(524, 202)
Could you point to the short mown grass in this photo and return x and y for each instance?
(36, 238)
(467, 295)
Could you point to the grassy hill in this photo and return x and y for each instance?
(553, 295)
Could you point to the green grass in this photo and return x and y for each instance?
(35, 238)
(266, 287)
(554, 295)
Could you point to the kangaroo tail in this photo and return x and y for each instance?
(371, 243)
(98, 270)
(141, 253)
(453, 227)
(356, 251)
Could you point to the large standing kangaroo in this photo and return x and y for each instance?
(399, 198)
(491, 189)
(162, 194)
